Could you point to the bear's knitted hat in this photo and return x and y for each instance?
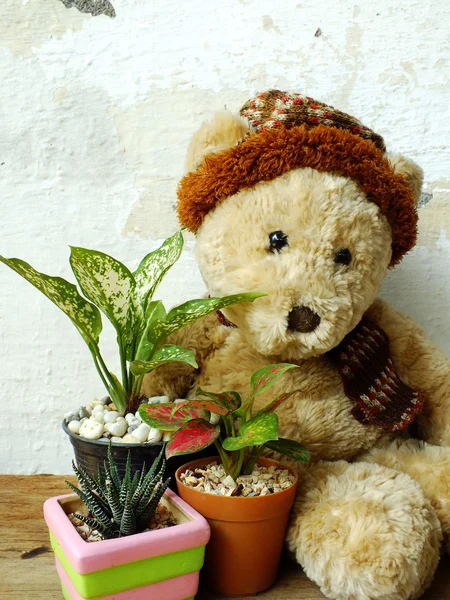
(291, 131)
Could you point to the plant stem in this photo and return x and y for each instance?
(123, 364)
(223, 456)
(119, 401)
(256, 453)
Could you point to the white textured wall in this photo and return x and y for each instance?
(96, 114)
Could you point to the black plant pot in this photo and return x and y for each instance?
(90, 453)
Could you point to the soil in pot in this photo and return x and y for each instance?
(162, 519)
(247, 532)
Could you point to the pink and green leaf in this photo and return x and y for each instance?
(277, 402)
(160, 415)
(192, 437)
(209, 404)
(266, 377)
(229, 400)
(259, 430)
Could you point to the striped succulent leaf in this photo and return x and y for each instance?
(121, 506)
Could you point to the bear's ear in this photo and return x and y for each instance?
(224, 131)
(410, 171)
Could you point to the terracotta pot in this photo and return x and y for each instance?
(247, 534)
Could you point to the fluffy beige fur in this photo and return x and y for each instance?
(372, 508)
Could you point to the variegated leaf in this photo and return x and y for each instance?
(144, 348)
(207, 404)
(190, 311)
(84, 315)
(163, 355)
(161, 415)
(154, 266)
(255, 432)
(108, 284)
(290, 448)
(192, 437)
(229, 400)
(277, 402)
(265, 378)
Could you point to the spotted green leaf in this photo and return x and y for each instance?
(190, 311)
(230, 401)
(84, 315)
(257, 431)
(165, 354)
(144, 348)
(161, 415)
(265, 378)
(154, 266)
(108, 284)
(192, 437)
(290, 448)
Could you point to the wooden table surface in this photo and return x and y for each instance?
(27, 570)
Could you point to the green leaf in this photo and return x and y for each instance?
(255, 432)
(229, 400)
(290, 448)
(84, 315)
(165, 354)
(161, 416)
(192, 437)
(191, 311)
(144, 348)
(109, 285)
(154, 266)
(277, 402)
(266, 377)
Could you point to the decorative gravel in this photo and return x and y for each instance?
(162, 519)
(214, 480)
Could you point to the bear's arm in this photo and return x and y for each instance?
(421, 365)
(204, 337)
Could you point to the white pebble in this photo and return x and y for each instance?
(141, 433)
(74, 426)
(91, 430)
(167, 436)
(229, 482)
(214, 418)
(110, 416)
(98, 408)
(138, 416)
(117, 440)
(129, 418)
(158, 399)
(178, 400)
(118, 428)
(83, 419)
(130, 439)
(154, 435)
(98, 416)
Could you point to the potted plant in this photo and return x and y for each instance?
(246, 498)
(142, 325)
(133, 538)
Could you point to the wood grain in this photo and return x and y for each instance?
(27, 570)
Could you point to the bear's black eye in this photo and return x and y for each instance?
(278, 240)
(343, 256)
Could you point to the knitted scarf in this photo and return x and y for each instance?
(370, 380)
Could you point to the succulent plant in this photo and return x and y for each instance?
(120, 506)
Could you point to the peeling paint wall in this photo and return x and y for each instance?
(96, 116)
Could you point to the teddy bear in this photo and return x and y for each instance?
(301, 201)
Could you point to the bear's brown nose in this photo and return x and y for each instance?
(302, 319)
